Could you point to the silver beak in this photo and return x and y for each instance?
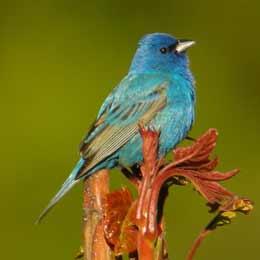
(183, 45)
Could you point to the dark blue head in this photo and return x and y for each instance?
(161, 53)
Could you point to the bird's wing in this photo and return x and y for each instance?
(120, 118)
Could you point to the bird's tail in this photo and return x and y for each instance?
(67, 185)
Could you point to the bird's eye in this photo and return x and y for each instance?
(163, 50)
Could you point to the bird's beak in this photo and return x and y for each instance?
(183, 45)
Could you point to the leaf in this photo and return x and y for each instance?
(208, 176)
(128, 236)
(119, 215)
(197, 152)
(201, 166)
(191, 164)
(206, 184)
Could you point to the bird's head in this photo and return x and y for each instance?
(161, 53)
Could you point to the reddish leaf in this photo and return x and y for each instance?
(213, 192)
(210, 176)
(194, 164)
(129, 231)
(131, 225)
(201, 166)
(199, 151)
(119, 218)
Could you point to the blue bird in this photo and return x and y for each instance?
(157, 91)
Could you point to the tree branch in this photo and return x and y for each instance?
(96, 188)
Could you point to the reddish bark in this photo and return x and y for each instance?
(95, 190)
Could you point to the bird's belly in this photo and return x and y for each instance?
(173, 123)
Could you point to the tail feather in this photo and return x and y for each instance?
(67, 185)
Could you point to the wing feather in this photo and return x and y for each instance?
(113, 136)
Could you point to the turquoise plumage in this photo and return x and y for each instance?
(158, 91)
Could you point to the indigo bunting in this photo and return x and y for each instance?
(158, 91)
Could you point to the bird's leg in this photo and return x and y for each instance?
(190, 138)
(133, 174)
(127, 172)
(136, 170)
(133, 256)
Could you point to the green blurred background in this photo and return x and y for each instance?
(59, 60)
